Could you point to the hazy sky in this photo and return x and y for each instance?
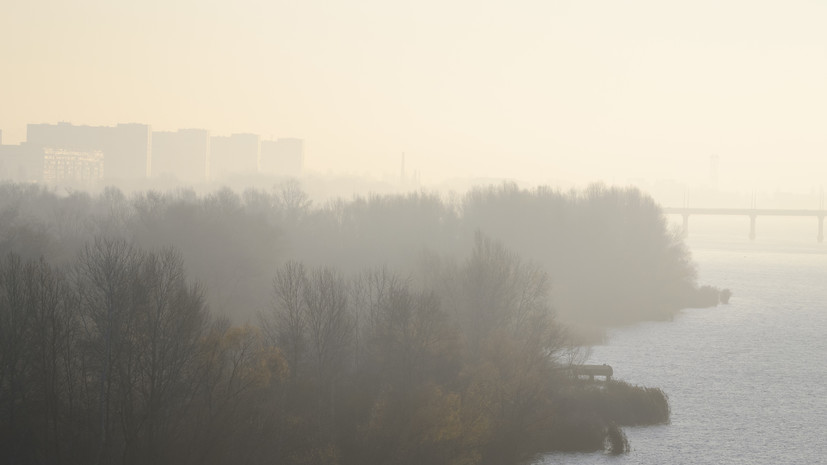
(533, 90)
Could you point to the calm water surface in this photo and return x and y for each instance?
(747, 382)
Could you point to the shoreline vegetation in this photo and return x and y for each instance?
(258, 328)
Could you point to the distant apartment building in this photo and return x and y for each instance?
(282, 157)
(126, 148)
(19, 164)
(183, 155)
(66, 153)
(52, 165)
(72, 166)
(236, 154)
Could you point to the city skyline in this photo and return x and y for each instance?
(541, 92)
(65, 152)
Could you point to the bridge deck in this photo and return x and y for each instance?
(752, 213)
(743, 211)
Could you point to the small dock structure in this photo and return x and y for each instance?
(593, 370)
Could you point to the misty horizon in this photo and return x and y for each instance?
(390, 233)
(537, 93)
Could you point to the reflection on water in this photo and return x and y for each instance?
(747, 382)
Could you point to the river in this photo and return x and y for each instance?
(747, 382)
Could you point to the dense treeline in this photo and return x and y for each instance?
(113, 357)
(300, 345)
(608, 251)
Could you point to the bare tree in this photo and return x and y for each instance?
(330, 330)
(285, 325)
(53, 346)
(15, 330)
(170, 323)
(329, 321)
(501, 293)
(293, 200)
(369, 293)
(105, 273)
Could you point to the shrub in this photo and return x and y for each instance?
(631, 405)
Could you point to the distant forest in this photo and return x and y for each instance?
(609, 252)
(260, 328)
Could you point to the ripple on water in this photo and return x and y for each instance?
(747, 382)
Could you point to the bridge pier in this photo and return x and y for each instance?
(752, 213)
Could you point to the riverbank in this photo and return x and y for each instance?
(740, 384)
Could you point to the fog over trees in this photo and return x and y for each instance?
(610, 239)
(259, 327)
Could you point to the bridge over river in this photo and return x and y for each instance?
(751, 213)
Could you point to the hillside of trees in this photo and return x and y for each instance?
(257, 328)
(609, 253)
